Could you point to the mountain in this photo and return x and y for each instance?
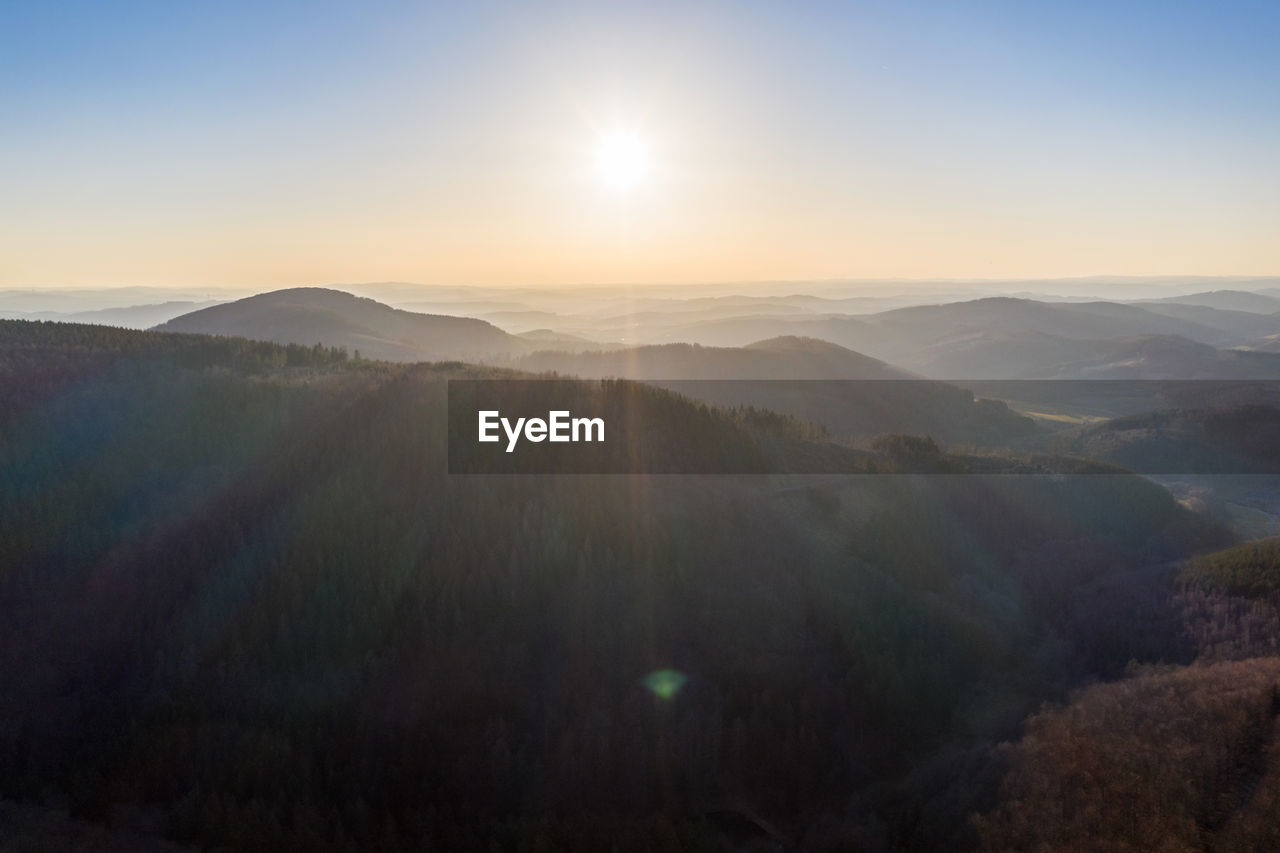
(1032, 355)
(1077, 320)
(996, 337)
(997, 354)
(518, 322)
(1260, 302)
(1168, 357)
(552, 340)
(309, 315)
(990, 337)
(854, 397)
(777, 358)
(1039, 355)
(827, 360)
(76, 301)
(1003, 337)
(1234, 325)
(1211, 438)
(129, 317)
(847, 331)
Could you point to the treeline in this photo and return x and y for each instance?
(29, 344)
(1170, 759)
(1251, 569)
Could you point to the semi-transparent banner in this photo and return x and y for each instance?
(737, 426)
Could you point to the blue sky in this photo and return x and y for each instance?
(291, 143)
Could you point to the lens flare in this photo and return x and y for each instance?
(665, 683)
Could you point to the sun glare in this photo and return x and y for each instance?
(622, 161)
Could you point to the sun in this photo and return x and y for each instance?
(622, 161)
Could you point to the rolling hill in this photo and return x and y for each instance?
(996, 337)
(992, 337)
(309, 315)
(777, 358)
(1248, 569)
(855, 397)
(1236, 325)
(1260, 302)
(1076, 320)
(129, 317)
(1221, 439)
(1036, 355)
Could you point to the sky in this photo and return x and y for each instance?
(262, 144)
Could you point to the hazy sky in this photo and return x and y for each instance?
(259, 143)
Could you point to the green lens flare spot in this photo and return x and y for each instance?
(665, 683)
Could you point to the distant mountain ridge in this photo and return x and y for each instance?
(128, 316)
(1038, 355)
(993, 337)
(309, 315)
(1260, 302)
(1075, 320)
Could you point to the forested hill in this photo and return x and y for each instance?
(663, 430)
(779, 358)
(305, 315)
(244, 602)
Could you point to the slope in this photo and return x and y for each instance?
(309, 315)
